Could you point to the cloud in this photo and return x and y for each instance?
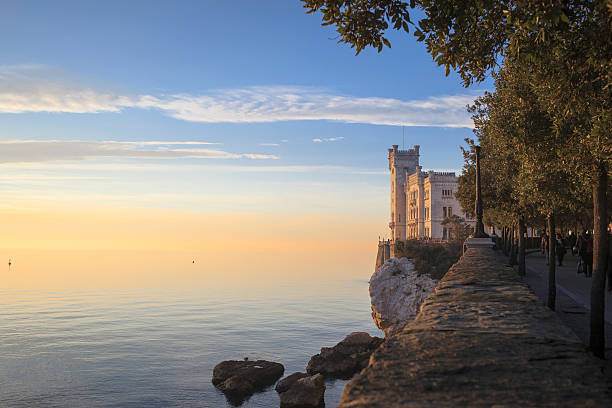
(328, 139)
(19, 151)
(221, 168)
(29, 90)
(269, 144)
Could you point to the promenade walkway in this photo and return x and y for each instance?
(573, 296)
(482, 339)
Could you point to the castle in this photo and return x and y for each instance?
(420, 200)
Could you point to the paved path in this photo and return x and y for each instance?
(483, 339)
(573, 296)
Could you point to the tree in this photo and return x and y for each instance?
(568, 42)
(467, 36)
(457, 227)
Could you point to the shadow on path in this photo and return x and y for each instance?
(573, 297)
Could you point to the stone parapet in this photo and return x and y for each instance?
(482, 339)
(479, 243)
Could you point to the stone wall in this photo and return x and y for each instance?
(383, 254)
(482, 339)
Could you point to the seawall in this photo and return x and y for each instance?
(482, 339)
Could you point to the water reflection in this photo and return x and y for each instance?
(155, 346)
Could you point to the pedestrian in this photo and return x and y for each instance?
(579, 245)
(559, 248)
(571, 240)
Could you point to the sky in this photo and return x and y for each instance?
(208, 126)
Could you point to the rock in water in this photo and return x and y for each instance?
(286, 383)
(346, 358)
(397, 292)
(306, 392)
(238, 380)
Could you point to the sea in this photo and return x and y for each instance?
(76, 340)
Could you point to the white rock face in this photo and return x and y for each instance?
(397, 292)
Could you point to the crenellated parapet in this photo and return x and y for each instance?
(404, 158)
(442, 176)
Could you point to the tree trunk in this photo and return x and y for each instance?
(600, 255)
(506, 241)
(521, 246)
(512, 260)
(552, 285)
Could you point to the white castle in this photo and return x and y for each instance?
(420, 201)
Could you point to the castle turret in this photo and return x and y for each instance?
(402, 163)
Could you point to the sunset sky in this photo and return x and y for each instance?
(207, 126)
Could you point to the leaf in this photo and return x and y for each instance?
(386, 42)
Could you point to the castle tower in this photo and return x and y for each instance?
(402, 163)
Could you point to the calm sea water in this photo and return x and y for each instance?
(82, 347)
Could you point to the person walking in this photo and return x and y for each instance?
(571, 240)
(559, 248)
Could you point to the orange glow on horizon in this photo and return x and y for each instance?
(59, 246)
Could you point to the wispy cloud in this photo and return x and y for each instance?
(27, 90)
(269, 144)
(221, 168)
(328, 139)
(16, 151)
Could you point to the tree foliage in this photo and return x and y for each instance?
(431, 259)
(467, 36)
(545, 130)
(459, 230)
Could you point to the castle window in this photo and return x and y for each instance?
(450, 211)
(444, 213)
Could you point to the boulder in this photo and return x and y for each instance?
(286, 383)
(346, 358)
(238, 380)
(397, 292)
(305, 392)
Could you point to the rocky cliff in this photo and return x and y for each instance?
(397, 292)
